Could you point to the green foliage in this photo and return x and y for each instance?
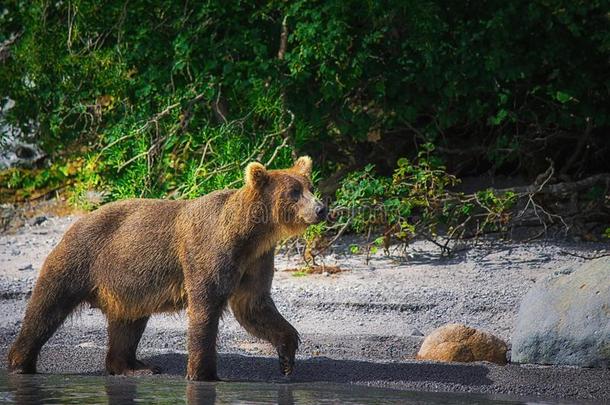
(159, 99)
(314, 232)
(416, 201)
(19, 184)
(174, 98)
(499, 74)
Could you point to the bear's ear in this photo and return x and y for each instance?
(303, 166)
(256, 174)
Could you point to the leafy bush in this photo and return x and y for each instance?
(495, 84)
(20, 185)
(417, 201)
(157, 100)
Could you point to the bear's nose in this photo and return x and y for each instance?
(321, 212)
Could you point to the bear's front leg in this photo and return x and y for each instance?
(259, 316)
(201, 343)
(255, 310)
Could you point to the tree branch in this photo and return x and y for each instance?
(6, 45)
(559, 188)
(283, 39)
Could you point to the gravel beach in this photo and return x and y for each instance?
(363, 325)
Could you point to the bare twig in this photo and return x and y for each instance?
(219, 107)
(340, 232)
(154, 120)
(275, 152)
(6, 45)
(283, 39)
(564, 252)
(284, 141)
(281, 53)
(71, 17)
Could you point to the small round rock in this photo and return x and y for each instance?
(460, 343)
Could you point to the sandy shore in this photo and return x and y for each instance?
(362, 326)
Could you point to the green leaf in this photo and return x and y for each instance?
(562, 97)
(500, 116)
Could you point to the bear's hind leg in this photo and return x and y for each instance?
(53, 299)
(123, 339)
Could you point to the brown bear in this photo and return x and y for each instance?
(137, 257)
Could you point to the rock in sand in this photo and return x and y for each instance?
(460, 343)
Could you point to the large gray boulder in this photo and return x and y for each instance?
(565, 318)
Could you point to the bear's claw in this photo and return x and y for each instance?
(286, 364)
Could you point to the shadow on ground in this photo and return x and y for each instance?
(236, 367)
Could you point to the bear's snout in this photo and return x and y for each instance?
(321, 211)
(310, 209)
(316, 213)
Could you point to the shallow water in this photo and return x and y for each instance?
(74, 389)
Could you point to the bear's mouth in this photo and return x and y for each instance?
(314, 218)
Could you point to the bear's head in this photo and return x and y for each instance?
(285, 197)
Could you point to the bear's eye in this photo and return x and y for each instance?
(295, 194)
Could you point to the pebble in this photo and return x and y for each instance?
(37, 220)
(416, 332)
(86, 344)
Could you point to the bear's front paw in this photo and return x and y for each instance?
(286, 356)
(286, 365)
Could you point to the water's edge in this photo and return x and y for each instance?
(57, 388)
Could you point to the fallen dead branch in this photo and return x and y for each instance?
(566, 253)
(560, 188)
(317, 269)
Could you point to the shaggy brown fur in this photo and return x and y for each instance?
(134, 258)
